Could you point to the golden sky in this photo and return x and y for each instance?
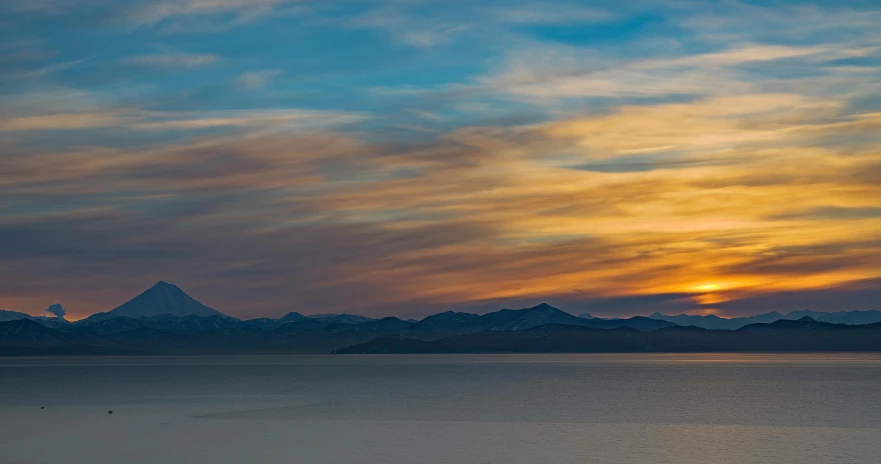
(618, 160)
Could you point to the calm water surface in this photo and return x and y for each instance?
(443, 409)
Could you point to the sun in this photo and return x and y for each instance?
(707, 287)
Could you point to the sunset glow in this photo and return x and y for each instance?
(402, 158)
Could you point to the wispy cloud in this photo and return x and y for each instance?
(550, 13)
(411, 30)
(565, 72)
(134, 119)
(282, 119)
(406, 156)
(168, 60)
(520, 224)
(50, 7)
(71, 121)
(421, 25)
(148, 13)
(257, 79)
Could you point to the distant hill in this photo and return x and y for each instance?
(839, 317)
(341, 318)
(165, 320)
(710, 321)
(442, 324)
(521, 319)
(544, 314)
(716, 322)
(162, 299)
(13, 315)
(639, 323)
(448, 318)
(803, 335)
(27, 332)
(157, 322)
(222, 335)
(292, 317)
(46, 321)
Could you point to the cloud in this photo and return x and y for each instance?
(712, 123)
(263, 118)
(243, 11)
(269, 162)
(674, 156)
(856, 295)
(550, 13)
(413, 30)
(337, 217)
(784, 22)
(55, 310)
(257, 79)
(142, 120)
(168, 60)
(480, 214)
(423, 25)
(832, 212)
(49, 7)
(70, 121)
(553, 72)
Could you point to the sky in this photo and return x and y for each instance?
(405, 157)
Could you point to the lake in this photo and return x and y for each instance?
(691, 408)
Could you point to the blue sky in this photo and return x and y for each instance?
(409, 156)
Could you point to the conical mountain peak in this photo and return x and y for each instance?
(165, 287)
(162, 299)
(544, 307)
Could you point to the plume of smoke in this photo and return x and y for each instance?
(55, 310)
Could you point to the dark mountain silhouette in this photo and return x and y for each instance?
(543, 314)
(27, 332)
(113, 325)
(292, 317)
(13, 315)
(447, 319)
(784, 335)
(715, 322)
(341, 318)
(638, 322)
(521, 319)
(506, 320)
(442, 324)
(292, 328)
(164, 320)
(839, 317)
(162, 299)
(322, 337)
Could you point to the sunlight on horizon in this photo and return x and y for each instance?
(410, 157)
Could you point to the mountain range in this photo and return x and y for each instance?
(13, 315)
(715, 322)
(805, 334)
(165, 320)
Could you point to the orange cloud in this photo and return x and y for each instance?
(721, 204)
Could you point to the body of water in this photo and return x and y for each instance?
(780, 408)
